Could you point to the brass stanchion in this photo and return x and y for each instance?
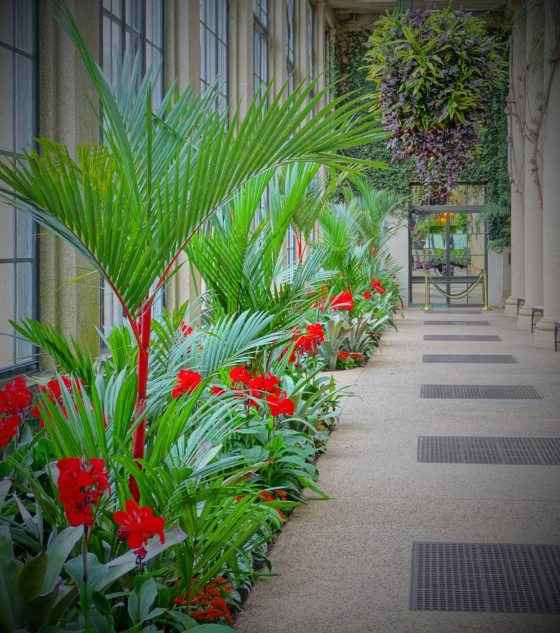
(426, 292)
(485, 307)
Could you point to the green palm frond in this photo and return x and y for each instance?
(70, 357)
(131, 205)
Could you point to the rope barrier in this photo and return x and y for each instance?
(464, 293)
(458, 295)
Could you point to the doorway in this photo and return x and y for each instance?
(449, 243)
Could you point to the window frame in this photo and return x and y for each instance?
(32, 364)
(206, 31)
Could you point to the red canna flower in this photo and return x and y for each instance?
(343, 301)
(187, 381)
(8, 428)
(217, 391)
(367, 294)
(240, 375)
(138, 525)
(280, 405)
(15, 398)
(263, 384)
(186, 330)
(81, 484)
(377, 286)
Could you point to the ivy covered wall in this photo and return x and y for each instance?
(490, 166)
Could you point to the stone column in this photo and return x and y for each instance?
(277, 45)
(544, 334)
(182, 63)
(66, 116)
(516, 168)
(534, 69)
(241, 54)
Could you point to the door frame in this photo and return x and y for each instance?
(437, 209)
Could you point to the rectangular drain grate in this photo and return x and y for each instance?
(435, 311)
(455, 449)
(461, 337)
(488, 359)
(490, 392)
(456, 323)
(485, 577)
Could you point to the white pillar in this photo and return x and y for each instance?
(544, 335)
(516, 168)
(533, 166)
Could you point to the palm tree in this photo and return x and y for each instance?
(131, 204)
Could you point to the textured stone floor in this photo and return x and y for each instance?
(345, 563)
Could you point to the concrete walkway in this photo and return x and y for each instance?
(345, 564)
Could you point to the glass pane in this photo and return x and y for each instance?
(222, 20)
(117, 8)
(134, 15)
(6, 96)
(154, 22)
(24, 103)
(24, 275)
(6, 231)
(24, 25)
(6, 314)
(25, 234)
(7, 21)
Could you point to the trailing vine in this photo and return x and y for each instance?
(489, 165)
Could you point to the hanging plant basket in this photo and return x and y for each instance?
(433, 72)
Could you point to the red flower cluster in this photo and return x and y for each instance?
(187, 381)
(262, 386)
(309, 342)
(209, 604)
(15, 406)
(186, 330)
(269, 497)
(367, 294)
(138, 525)
(15, 398)
(81, 485)
(377, 286)
(54, 393)
(343, 356)
(8, 428)
(343, 301)
(240, 375)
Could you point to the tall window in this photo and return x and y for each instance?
(260, 46)
(130, 27)
(214, 49)
(18, 127)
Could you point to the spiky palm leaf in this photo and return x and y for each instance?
(131, 205)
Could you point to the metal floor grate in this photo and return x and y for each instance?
(461, 337)
(436, 311)
(456, 323)
(488, 359)
(491, 392)
(485, 577)
(455, 449)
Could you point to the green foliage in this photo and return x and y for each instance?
(489, 165)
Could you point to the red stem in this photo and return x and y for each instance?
(139, 437)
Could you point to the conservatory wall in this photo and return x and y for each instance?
(232, 44)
